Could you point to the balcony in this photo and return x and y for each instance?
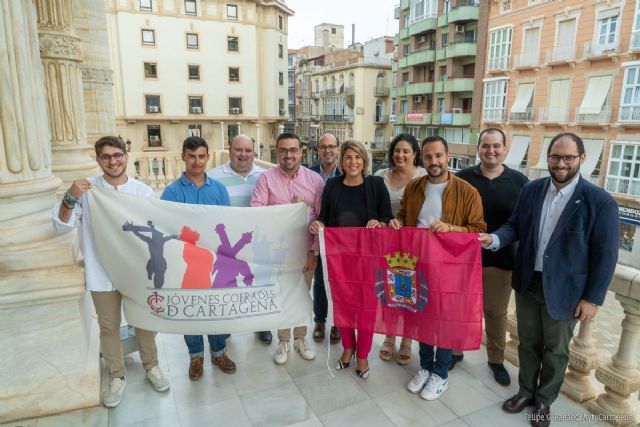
(527, 60)
(629, 114)
(404, 4)
(553, 115)
(596, 51)
(525, 117)
(404, 33)
(453, 117)
(419, 88)
(455, 84)
(460, 48)
(315, 95)
(396, 12)
(381, 91)
(442, 20)
(422, 26)
(625, 186)
(380, 118)
(156, 169)
(399, 91)
(314, 117)
(561, 54)
(498, 64)
(494, 115)
(403, 62)
(464, 12)
(419, 117)
(398, 119)
(342, 118)
(634, 43)
(604, 117)
(421, 56)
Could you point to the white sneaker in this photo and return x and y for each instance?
(434, 388)
(157, 379)
(282, 353)
(302, 346)
(417, 383)
(116, 390)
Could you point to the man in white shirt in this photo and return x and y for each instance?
(239, 176)
(111, 156)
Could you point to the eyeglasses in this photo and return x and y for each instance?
(284, 151)
(107, 157)
(568, 159)
(327, 147)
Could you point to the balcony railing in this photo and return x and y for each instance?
(593, 50)
(561, 53)
(314, 117)
(527, 59)
(500, 63)
(380, 118)
(603, 117)
(629, 113)
(156, 169)
(494, 115)
(524, 117)
(346, 118)
(381, 91)
(553, 115)
(315, 95)
(627, 186)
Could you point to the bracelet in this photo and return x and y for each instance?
(69, 200)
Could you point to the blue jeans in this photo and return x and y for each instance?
(195, 344)
(439, 365)
(320, 303)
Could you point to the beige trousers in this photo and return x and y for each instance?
(108, 308)
(284, 335)
(496, 287)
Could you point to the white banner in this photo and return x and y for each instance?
(200, 269)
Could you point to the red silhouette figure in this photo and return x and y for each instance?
(199, 261)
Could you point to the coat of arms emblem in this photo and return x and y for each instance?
(401, 285)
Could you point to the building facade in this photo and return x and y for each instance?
(435, 72)
(194, 67)
(570, 66)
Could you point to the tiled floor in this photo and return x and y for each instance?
(302, 393)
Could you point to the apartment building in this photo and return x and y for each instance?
(435, 72)
(345, 92)
(570, 66)
(210, 68)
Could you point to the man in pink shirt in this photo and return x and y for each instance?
(290, 182)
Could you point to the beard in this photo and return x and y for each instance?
(571, 173)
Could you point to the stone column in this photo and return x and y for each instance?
(61, 58)
(584, 357)
(50, 355)
(621, 377)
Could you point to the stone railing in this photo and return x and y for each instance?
(156, 168)
(620, 377)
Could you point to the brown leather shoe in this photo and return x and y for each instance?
(225, 364)
(195, 368)
(540, 416)
(517, 404)
(334, 336)
(318, 332)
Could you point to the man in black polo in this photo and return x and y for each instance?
(499, 187)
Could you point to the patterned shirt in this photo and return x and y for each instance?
(239, 187)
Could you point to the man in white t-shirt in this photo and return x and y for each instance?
(443, 203)
(69, 213)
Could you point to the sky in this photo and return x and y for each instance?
(370, 23)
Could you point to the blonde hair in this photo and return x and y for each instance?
(360, 149)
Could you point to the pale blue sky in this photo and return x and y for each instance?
(373, 18)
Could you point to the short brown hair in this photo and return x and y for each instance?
(111, 141)
(360, 149)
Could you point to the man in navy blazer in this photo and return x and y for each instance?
(568, 231)
(328, 150)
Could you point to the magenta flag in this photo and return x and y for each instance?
(408, 282)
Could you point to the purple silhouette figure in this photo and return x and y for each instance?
(227, 267)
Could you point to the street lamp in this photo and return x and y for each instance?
(261, 150)
(128, 143)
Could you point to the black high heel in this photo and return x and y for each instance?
(364, 374)
(343, 365)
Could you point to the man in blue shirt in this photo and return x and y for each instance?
(195, 187)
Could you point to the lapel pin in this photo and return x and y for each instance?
(577, 201)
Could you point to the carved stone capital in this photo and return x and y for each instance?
(59, 46)
(97, 75)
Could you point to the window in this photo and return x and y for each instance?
(148, 37)
(565, 47)
(280, 51)
(190, 7)
(150, 70)
(154, 138)
(194, 72)
(595, 106)
(635, 34)
(495, 98)
(558, 107)
(152, 103)
(235, 105)
(234, 74)
(145, 5)
(404, 106)
(232, 44)
(195, 105)
(630, 99)
(280, 22)
(530, 47)
(333, 30)
(281, 78)
(607, 29)
(505, 6)
(232, 131)
(192, 41)
(232, 11)
(194, 130)
(499, 49)
(440, 105)
(444, 40)
(423, 9)
(283, 111)
(623, 173)
(405, 50)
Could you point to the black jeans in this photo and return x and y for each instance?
(320, 303)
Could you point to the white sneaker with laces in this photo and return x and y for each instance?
(116, 390)
(302, 346)
(282, 353)
(434, 388)
(157, 379)
(417, 383)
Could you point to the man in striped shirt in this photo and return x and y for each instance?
(239, 176)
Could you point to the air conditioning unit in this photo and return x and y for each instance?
(153, 109)
(422, 39)
(196, 110)
(417, 99)
(456, 110)
(235, 111)
(459, 28)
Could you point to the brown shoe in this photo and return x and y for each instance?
(517, 404)
(334, 336)
(541, 415)
(318, 332)
(225, 364)
(195, 368)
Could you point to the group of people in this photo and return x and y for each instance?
(567, 231)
